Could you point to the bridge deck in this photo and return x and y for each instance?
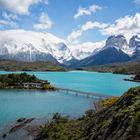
(87, 94)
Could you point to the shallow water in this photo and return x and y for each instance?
(15, 104)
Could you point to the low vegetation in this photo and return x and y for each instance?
(16, 79)
(119, 120)
(48, 87)
(23, 80)
(29, 66)
(132, 67)
(109, 101)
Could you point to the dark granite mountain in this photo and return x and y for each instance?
(135, 44)
(111, 53)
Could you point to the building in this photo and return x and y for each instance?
(31, 84)
(35, 85)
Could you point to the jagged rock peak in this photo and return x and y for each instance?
(134, 41)
(117, 41)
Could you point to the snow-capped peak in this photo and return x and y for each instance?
(134, 41)
(13, 42)
(37, 46)
(119, 42)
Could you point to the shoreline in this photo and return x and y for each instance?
(74, 70)
(131, 80)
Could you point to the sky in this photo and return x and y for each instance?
(76, 21)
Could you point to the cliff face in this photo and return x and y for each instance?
(120, 121)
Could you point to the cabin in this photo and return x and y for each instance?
(31, 84)
(35, 85)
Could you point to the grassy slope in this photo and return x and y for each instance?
(118, 121)
(29, 66)
(132, 67)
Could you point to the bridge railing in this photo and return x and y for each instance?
(87, 94)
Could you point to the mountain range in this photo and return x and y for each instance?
(115, 50)
(30, 46)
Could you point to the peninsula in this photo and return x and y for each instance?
(23, 81)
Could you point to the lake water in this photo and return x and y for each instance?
(15, 104)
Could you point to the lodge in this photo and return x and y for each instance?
(35, 85)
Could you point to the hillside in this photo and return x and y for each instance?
(29, 66)
(108, 55)
(120, 120)
(131, 67)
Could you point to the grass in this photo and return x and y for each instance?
(29, 66)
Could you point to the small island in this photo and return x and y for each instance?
(23, 81)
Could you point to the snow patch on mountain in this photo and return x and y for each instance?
(13, 42)
(37, 46)
(120, 42)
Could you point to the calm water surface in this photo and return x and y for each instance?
(24, 103)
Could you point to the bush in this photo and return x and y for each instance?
(48, 87)
(109, 101)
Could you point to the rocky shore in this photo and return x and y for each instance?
(136, 78)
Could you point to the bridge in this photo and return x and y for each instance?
(83, 93)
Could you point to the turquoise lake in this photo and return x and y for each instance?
(15, 104)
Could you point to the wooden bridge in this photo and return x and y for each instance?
(82, 93)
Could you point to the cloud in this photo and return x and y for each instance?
(19, 6)
(44, 22)
(91, 25)
(137, 2)
(83, 50)
(8, 20)
(87, 11)
(9, 16)
(127, 26)
(73, 37)
(5, 23)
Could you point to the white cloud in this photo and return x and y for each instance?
(87, 11)
(85, 49)
(81, 11)
(19, 6)
(91, 25)
(44, 22)
(5, 23)
(73, 37)
(9, 16)
(137, 2)
(127, 26)
(8, 20)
